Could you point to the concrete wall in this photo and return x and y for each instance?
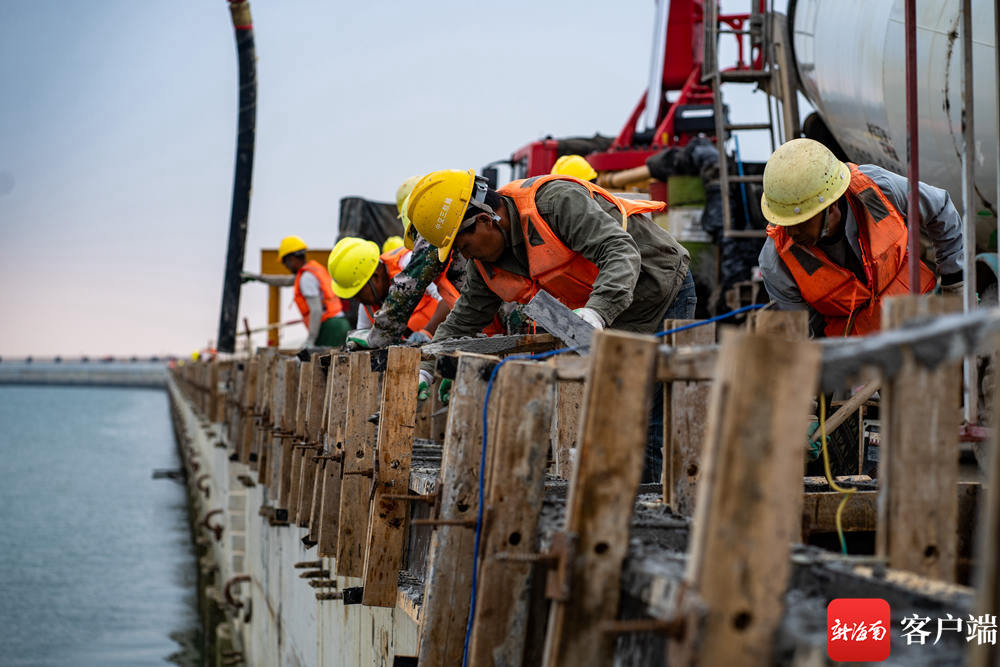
(287, 625)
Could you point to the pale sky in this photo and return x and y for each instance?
(118, 126)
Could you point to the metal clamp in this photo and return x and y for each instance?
(217, 530)
(558, 559)
(202, 486)
(227, 590)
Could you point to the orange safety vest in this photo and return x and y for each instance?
(565, 273)
(848, 305)
(427, 305)
(331, 304)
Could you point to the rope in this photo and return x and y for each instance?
(848, 492)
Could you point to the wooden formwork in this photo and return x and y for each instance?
(577, 563)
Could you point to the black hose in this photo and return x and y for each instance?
(245, 134)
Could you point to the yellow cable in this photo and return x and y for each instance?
(829, 478)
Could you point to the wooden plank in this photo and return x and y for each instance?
(918, 467)
(289, 390)
(274, 441)
(517, 486)
(609, 464)
(322, 439)
(387, 524)
(566, 423)
(359, 439)
(787, 324)
(987, 578)
(686, 363)
(819, 510)
(329, 526)
(249, 429)
(298, 454)
(749, 506)
(311, 427)
(685, 411)
(447, 586)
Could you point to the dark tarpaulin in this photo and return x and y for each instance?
(369, 220)
(583, 145)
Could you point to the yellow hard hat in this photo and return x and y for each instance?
(437, 205)
(801, 179)
(351, 264)
(196, 355)
(290, 244)
(574, 165)
(392, 243)
(402, 192)
(409, 231)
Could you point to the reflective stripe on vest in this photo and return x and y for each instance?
(848, 305)
(331, 304)
(425, 308)
(565, 273)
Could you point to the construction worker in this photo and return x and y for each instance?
(575, 166)
(359, 271)
(837, 242)
(322, 312)
(598, 254)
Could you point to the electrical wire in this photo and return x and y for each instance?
(848, 492)
(700, 323)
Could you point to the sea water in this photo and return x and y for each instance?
(96, 561)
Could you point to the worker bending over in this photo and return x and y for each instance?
(322, 312)
(361, 272)
(837, 242)
(575, 166)
(420, 270)
(598, 254)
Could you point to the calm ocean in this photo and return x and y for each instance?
(96, 561)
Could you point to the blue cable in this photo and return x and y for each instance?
(753, 306)
(482, 454)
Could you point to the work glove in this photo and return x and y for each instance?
(424, 385)
(247, 277)
(419, 337)
(954, 289)
(591, 317)
(814, 443)
(444, 391)
(359, 339)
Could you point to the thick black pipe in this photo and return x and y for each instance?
(245, 134)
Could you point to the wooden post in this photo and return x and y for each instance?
(289, 390)
(918, 467)
(685, 411)
(245, 442)
(311, 434)
(274, 446)
(387, 523)
(362, 402)
(611, 450)
(517, 487)
(322, 428)
(449, 562)
(262, 439)
(298, 454)
(787, 324)
(329, 527)
(749, 506)
(566, 425)
(988, 574)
